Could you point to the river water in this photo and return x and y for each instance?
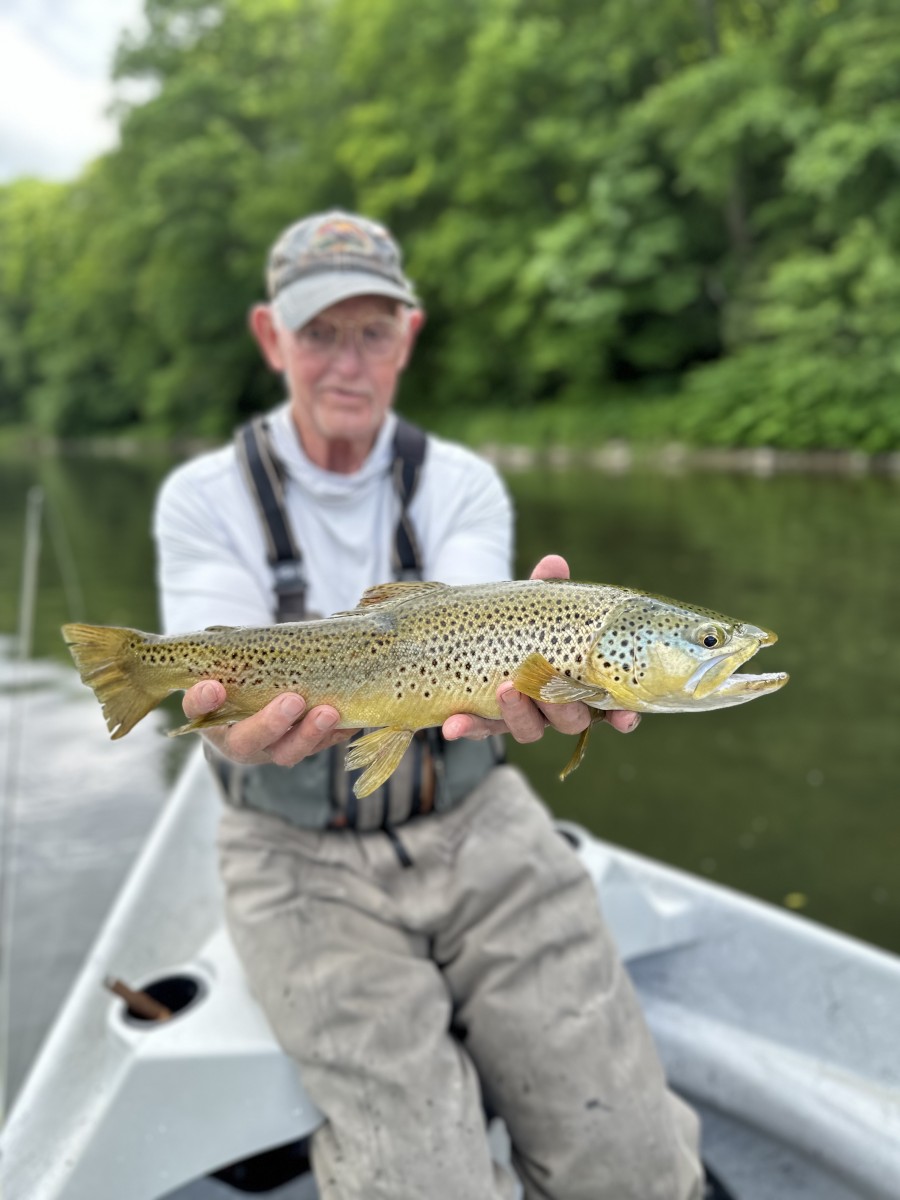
(794, 798)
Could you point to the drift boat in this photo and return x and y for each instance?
(784, 1035)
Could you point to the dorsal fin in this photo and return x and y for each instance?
(382, 593)
(389, 593)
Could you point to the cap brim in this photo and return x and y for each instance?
(305, 298)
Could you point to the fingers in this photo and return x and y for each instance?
(250, 740)
(476, 728)
(551, 566)
(202, 698)
(524, 720)
(527, 721)
(521, 717)
(316, 731)
(283, 732)
(624, 722)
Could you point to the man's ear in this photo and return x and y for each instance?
(415, 319)
(261, 320)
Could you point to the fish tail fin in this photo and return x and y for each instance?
(107, 662)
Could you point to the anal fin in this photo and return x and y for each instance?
(379, 752)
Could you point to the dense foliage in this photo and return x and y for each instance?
(684, 214)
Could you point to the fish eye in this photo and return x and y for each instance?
(711, 636)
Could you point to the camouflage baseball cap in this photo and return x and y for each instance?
(330, 257)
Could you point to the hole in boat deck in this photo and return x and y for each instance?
(176, 992)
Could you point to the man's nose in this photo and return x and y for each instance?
(347, 355)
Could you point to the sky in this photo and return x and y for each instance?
(55, 64)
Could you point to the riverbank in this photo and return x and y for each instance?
(610, 456)
(618, 457)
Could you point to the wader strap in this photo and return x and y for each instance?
(264, 476)
(409, 454)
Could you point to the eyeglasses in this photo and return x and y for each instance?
(374, 340)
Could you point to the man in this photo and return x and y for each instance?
(440, 951)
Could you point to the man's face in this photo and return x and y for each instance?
(341, 378)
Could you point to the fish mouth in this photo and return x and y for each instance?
(719, 677)
(745, 687)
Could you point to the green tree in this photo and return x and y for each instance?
(31, 265)
(690, 206)
(811, 356)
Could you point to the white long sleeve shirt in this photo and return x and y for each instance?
(212, 566)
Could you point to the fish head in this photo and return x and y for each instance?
(658, 655)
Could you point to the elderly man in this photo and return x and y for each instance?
(437, 949)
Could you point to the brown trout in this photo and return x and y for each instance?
(412, 654)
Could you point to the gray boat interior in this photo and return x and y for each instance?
(783, 1034)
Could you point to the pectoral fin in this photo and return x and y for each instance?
(379, 752)
(541, 681)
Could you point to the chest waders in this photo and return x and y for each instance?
(317, 793)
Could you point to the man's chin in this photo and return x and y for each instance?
(350, 422)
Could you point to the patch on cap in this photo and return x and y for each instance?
(334, 242)
(343, 235)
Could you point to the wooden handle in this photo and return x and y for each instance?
(139, 1002)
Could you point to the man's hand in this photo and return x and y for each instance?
(522, 717)
(284, 732)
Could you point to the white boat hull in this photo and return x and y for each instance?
(782, 1033)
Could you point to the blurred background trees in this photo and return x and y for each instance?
(647, 218)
